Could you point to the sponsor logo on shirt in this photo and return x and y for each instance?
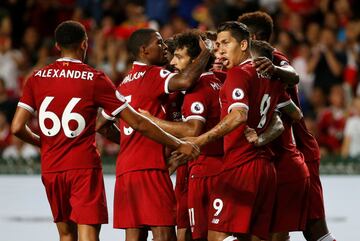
(215, 220)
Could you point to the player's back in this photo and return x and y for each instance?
(245, 88)
(63, 93)
(305, 141)
(144, 87)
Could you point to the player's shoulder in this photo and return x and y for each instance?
(280, 58)
(245, 69)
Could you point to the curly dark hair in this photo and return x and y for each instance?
(259, 24)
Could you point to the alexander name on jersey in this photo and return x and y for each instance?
(57, 73)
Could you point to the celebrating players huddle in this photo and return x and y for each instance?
(240, 173)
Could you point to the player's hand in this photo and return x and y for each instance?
(264, 67)
(251, 135)
(186, 151)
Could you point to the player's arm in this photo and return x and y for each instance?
(149, 129)
(191, 73)
(108, 129)
(273, 131)
(21, 130)
(285, 73)
(235, 118)
(292, 111)
(345, 147)
(176, 128)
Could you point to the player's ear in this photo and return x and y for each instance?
(84, 44)
(143, 50)
(244, 44)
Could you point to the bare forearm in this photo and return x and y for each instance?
(272, 132)
(191, 74)
(225, 126)
(148, 128)
(110, 132)
(28, 136)
(178, 129)
(287, 75)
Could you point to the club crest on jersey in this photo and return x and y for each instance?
(197, 108)
(237, 94)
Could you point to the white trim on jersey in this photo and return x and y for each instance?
(245, 61)
(118, 110)
(283, 104)
(26, 107)
(195, 117)
(206, 73)
(106, 116)
(166, 86)
(237, 104)
(67, 59)
(139, 63)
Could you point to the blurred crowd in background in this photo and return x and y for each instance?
(321, 38)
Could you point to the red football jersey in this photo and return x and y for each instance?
(202, 103)
(66, 96)
(289, 161)
(305, 141)
(243, 87)
(145, 87)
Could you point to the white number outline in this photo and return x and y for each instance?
(264, 108)
(66, 117)
(218, 205)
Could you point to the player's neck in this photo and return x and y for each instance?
(71, 55)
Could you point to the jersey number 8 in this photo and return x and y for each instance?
(66, 117)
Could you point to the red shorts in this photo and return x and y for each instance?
(242, 199)
(199, 194)
(181, 194)
(291, 206)
(77, 195)
(316, 203)
(144, 198)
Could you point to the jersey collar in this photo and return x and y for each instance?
(139, 63)
(69, 60)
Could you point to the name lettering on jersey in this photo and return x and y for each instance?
(73, 74)
(215, 86)
(134, 76)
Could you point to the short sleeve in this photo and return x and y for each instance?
(237, 89)
(284, 100)
(160, 79)
(280, 59)
(195, 106)
(107, 97)
(27, 101)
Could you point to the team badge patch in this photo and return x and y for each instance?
(197, 108)
(237, 94)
